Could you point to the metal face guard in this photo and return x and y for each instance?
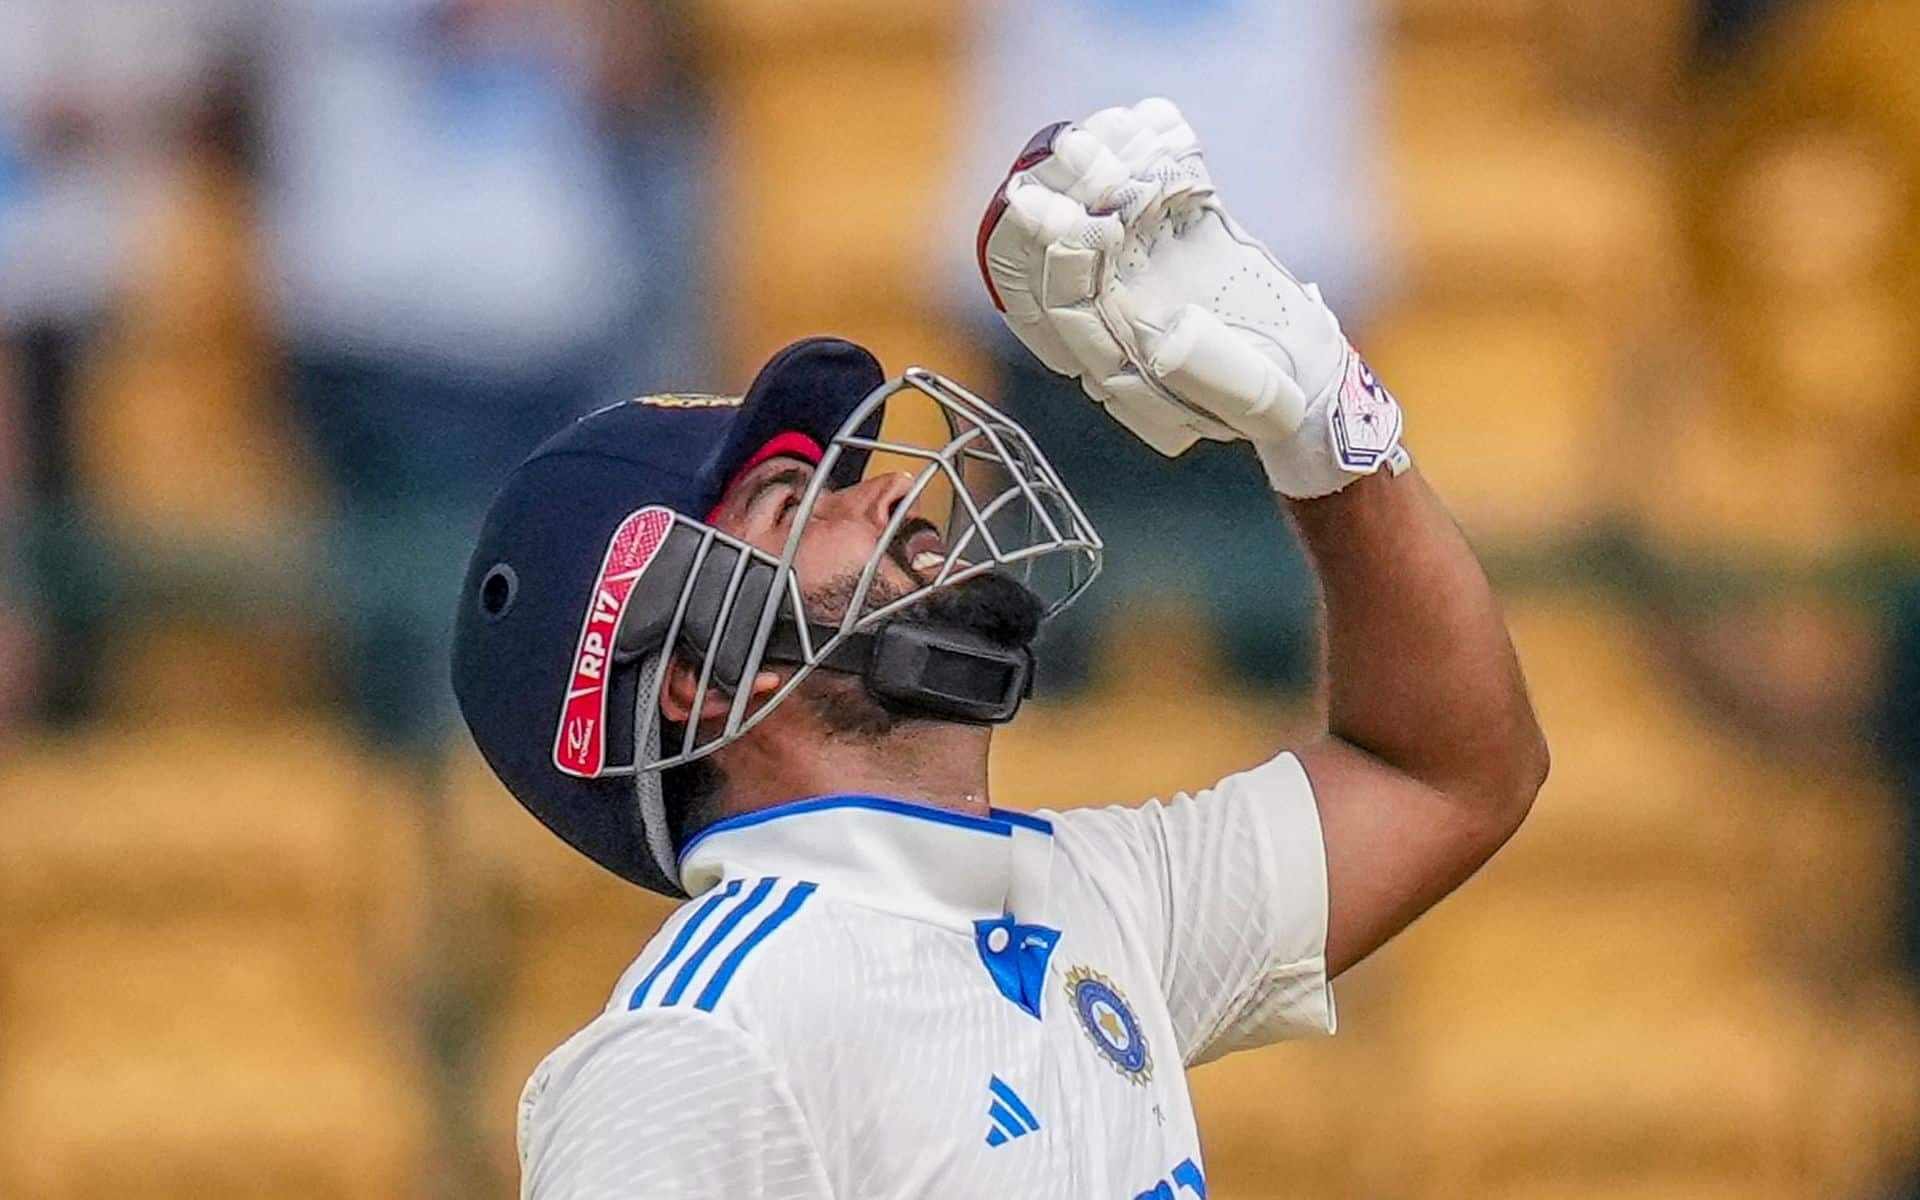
(719, 601)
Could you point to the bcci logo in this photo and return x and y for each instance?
(1108, 1020)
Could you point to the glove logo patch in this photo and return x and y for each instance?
(580, 744)
(1366, 419)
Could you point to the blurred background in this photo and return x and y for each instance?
(285, 289)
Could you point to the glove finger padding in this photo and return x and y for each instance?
(1155, 143)
(1084, 169)
(1027, 256)
(1213, 367)
(1043, 256)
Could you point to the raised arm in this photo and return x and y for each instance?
(1110, 256)
(1432, 754)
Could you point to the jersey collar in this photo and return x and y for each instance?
(914, 860)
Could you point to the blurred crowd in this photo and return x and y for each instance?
(409, 238)
(467, 222)
(458, 223)
(464, 221)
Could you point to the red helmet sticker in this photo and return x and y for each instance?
(580, 744)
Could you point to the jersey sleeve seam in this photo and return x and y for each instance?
(751, 1042)
(758, 1047)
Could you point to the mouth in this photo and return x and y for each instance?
(919, 550)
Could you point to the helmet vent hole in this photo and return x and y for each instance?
(497, 591)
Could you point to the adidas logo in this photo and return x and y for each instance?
(1008, 1114)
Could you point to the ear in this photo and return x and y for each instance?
(676, 699)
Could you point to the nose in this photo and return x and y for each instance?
(874, 500)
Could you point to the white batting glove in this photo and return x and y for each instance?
(1109, 256)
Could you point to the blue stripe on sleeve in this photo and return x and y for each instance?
(718, 984)
(719, 934)
(681, 939)
(1000, 1089)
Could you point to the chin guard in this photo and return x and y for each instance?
(930, 671)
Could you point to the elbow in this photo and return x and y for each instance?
(1500, 793)
(1536, 763)
(1529, 763)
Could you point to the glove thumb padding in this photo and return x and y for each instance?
(1213, 367)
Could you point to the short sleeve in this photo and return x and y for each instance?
(664, 1103)
(1230, 885)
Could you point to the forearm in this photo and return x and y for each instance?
(1420, 671)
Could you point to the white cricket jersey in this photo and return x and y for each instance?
(870, 998)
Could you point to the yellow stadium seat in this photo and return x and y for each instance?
(1589, 1039)
(1507, 406)
(1707, 457)
(1159, 722)
(1642, 786)
(1429, 18)
(1863, 1107)
(187, 662)
(1629, 57)
(143, 977)
(1831, 866)
(499, 844)
(829, 226)
(182, 432)
(156, 1057)
(749, 28)
(1621, 56)
(557, 979)
(167, 820)
(1572, 1095)
(1851, 50)
(1645, 788)
(1663, 1184)
(1495, 953)
(1531, 209)
(1319, 1117)
(1462, 81)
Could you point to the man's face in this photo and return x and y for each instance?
(839, 538)
(835, 546)
(833, 551)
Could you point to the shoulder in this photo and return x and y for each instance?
(1125, 834)
(714, 989)
(1256, 832)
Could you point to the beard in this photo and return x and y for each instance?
(991, 606)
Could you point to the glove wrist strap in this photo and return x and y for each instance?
(1351, 430)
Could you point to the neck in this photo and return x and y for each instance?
(939, 765)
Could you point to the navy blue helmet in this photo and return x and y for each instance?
(596, 564)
